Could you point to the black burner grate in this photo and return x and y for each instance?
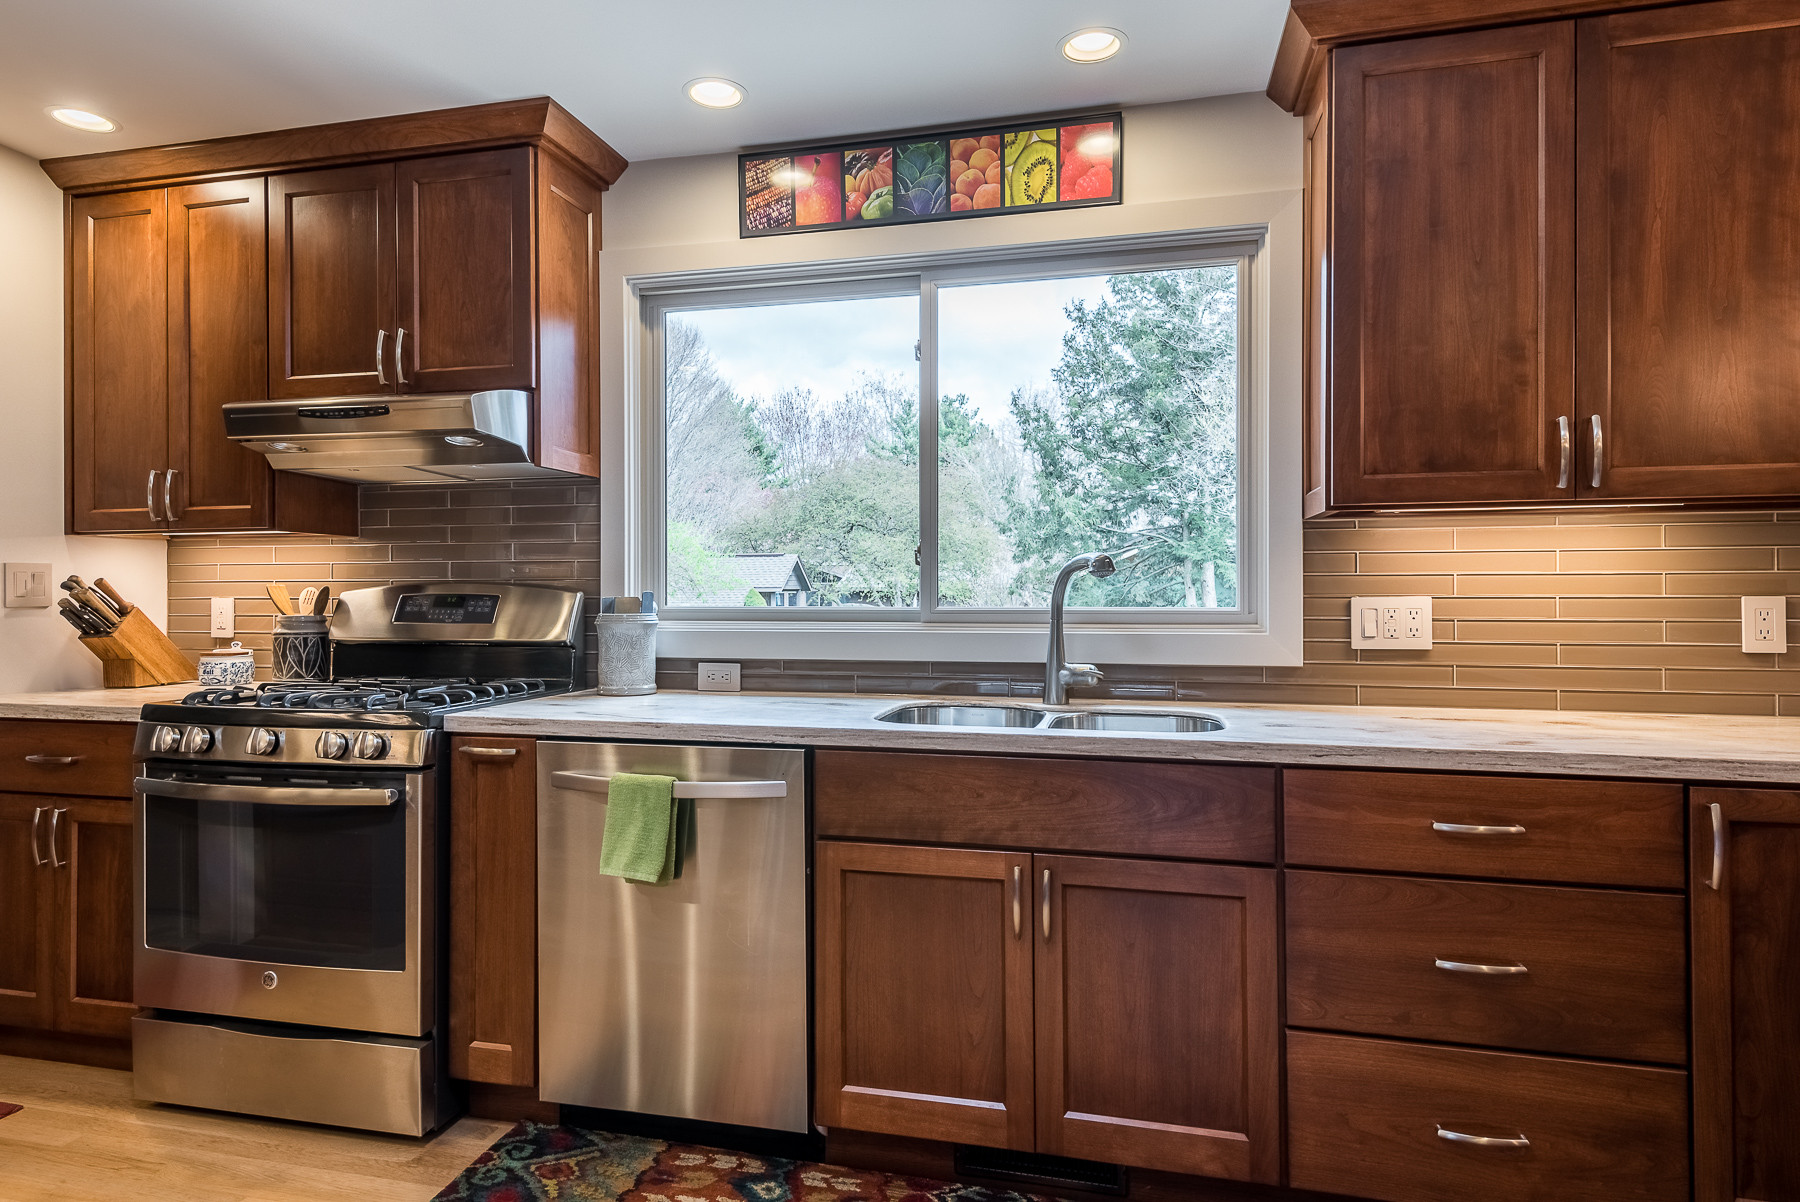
(372, 695)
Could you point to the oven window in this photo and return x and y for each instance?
(287, 884)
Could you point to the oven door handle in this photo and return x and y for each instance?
(274, 795)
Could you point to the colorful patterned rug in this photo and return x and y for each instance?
(534, 1163)
(7, 1108)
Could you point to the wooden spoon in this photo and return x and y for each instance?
(321, 600)
(306, 599)
(284, 601)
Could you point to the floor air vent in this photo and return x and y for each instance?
(1032, 1168)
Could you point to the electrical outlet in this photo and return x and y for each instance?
(1391, 623)
(718, 678)
(224, 617)
(1765, 625)
(27, 586)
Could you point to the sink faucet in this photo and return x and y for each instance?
(1059, 674)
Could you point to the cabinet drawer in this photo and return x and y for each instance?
(1584, 831)
(1122, 807)
(92, 759)
(1365, 1116)
(1606, 972)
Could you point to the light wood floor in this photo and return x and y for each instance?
(81, 1138)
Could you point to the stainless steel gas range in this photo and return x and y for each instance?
(292, 861)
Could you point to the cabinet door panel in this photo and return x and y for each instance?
(465, 274)
(26, 893)
(218, 351)
(1452, 232)
(568, 397)
(118, 383)
(1690, 236)
(493, 911)
(924, 993)
(94, 900)
(1157, 1017)
(1746, 950)
(332, 250)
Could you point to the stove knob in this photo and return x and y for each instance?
(165, 738)
(370, 746)
(332, 745)
(263, 741)
(196, 739)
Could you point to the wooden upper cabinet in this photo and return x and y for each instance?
(217, 293)
(1451, 272)
(464, 322)
(1745, 916)
(568, 433)
(1689, 222)
(332, 268)
(118, 362)
(1158, 1028)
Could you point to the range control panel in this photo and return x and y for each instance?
(454, 609)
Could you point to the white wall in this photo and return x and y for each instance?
(38, 650)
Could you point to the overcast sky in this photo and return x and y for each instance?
(994, 338)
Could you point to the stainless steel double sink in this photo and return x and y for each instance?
(1033, 717)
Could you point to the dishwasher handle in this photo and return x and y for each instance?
(685, 790)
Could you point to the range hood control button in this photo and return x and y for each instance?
(370, 746)
(196, 739)
(332, 745)
(263, 741)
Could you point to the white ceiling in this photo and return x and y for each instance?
(179, 70)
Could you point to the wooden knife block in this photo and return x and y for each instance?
(139, 654)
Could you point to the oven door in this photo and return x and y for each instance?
(287, 901)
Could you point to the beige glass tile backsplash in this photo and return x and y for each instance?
(1600, 610)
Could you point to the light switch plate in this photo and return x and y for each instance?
(224, 617)
(718, 678)
(1391, 623)
(1765, 625)
(28, 585)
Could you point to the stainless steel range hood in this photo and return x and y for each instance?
(431, 438)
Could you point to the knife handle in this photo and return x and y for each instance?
(112, 595)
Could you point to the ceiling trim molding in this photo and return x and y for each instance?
(539, 121)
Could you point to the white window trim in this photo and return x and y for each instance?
(1267, 632)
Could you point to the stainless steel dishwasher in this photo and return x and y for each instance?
(688, 999)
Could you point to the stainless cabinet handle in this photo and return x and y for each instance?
(37, 844)
(1467, 828)
(1481, 1141)
(399, 351)
(169, 513)
(489, 752)
(1018, 901)
(1565, 440)
(1718, 864)
(60, 760)
(55, 826)
(1599, 448)
(684, 790)
(1046, 903)
(150, 495)
(381, 357)
(1491, 970)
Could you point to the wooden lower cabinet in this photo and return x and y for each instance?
(1102, 1008)
(65, 914)
(493, 910)
(1374, 1118)
(1745, 914)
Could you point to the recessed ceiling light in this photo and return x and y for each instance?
(715, 93)
(93, 123)
(1092, 45)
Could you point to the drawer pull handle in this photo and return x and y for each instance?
(59, 760)
(1465, 828)
(1491, 970)
(1718, 848)
(489, 752)
(1481, 1141)
(1018, 915)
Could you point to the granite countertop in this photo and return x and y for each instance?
(91, 705)
(1669, 746)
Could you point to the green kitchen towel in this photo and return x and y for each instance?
(639, 841)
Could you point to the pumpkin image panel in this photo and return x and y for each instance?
(869, 183)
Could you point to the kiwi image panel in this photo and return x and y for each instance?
(920, 188)
(768, 194)
(1031, 161)
(869, 184)
(1087, 161)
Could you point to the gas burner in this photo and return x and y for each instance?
(372, 695)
